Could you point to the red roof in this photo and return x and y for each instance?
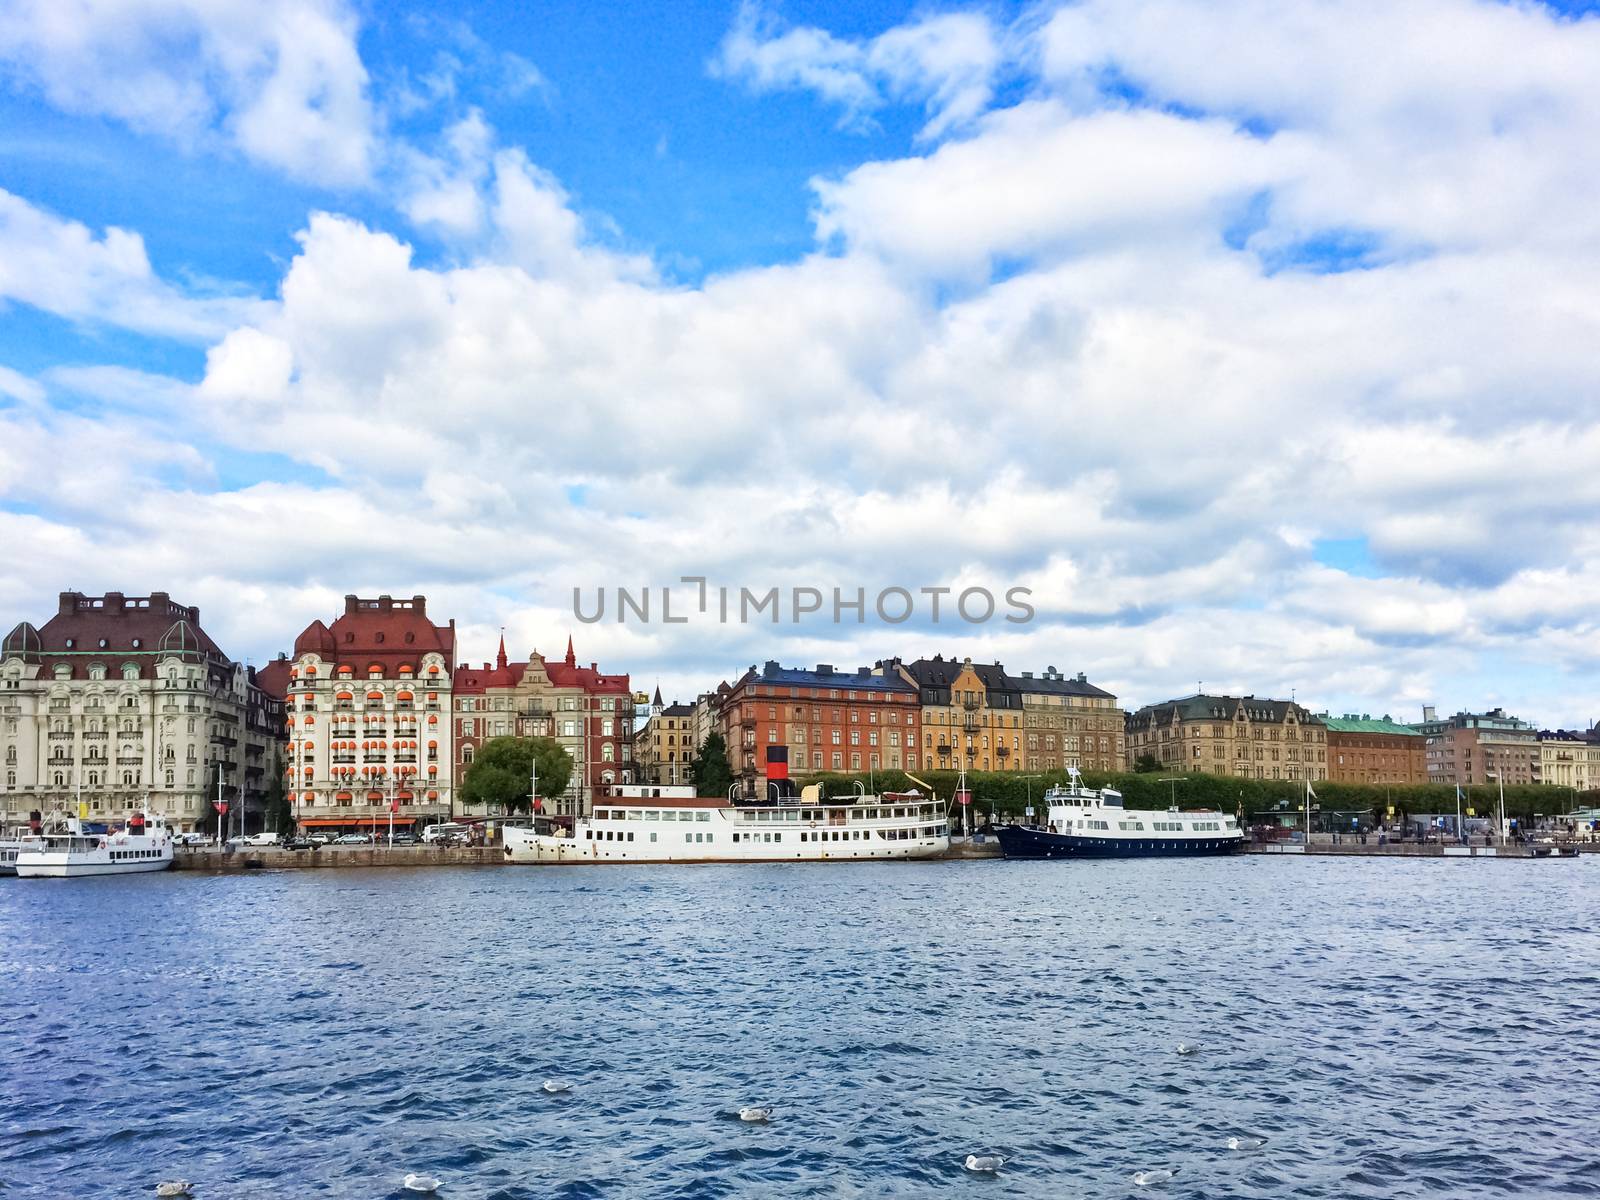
(386, 631)
(562, 674)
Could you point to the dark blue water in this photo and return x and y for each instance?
(1395, 1029)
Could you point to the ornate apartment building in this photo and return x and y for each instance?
(1477, 748)
(1570, 759)
(830, 720)
(1368, 749)
(1070, 723)
(664, 749)
(1243, 736)
(368, 717)
(972, 714)
(588, 711)
(124, 701)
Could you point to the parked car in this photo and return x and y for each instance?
(191, 839)
(403, 839)
(444, 831)
(261, 839)
(320, 839)
(353, 839)
(301, 843)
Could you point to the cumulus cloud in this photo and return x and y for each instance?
(282, 82)
(1216, 289)
(63, 267)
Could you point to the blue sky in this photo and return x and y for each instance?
(1258, 343)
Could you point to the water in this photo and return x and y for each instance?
(1395, 1029)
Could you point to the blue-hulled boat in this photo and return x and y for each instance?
(1085, 822)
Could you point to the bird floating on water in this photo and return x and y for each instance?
(1146, 1178)
(557, 1086)
(174, 1187)
(752, 1113)
(1188, 1048)
(1246, 1143)
(420, 1183)
(984, 1162)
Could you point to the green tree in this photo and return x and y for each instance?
(1147, 764)
(501, 772)
(712, 774)
(278, 813)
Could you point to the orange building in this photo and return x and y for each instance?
(1374, 750)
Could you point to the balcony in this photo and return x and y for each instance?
(129, 760)
(971, 703)
(61, 735)
(943, 747)
(747, 722)
(1003, 751)
(970, 723)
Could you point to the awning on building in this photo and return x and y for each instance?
(326, 822)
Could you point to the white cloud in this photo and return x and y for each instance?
(64, 267)
(947, 62)
(284, 81)
(1082, 347)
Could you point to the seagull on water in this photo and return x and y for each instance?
(984, 1162)
(173, 1187)
(1188, 1048)
(1246, 1143)
(1146, 1178)
(752, 1113)
(420, 1183)
(556, 1086)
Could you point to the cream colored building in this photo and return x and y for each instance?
(1570, 760)
(664, 750)
(123, 702)
(1070, 723)
(1243, 736)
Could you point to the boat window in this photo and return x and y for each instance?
(687, 836)
(652, 816)
(736, 839)
(702, 816)
(635, 815)
(652, 835)
(630, 835)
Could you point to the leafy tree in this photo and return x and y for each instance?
(1147, 764)
(278, 814)
(712, 774)
(501, 772)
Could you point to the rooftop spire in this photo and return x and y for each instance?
(500, 659)
(572, 659)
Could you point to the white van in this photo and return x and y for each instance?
(445, 829)
(262, 839)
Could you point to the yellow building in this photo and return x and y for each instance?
(664, 750)
(1246, 737)
(1570, 760)
(972, 714)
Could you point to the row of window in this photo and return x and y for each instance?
(122, 855)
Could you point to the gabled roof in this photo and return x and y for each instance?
(1204, 707)
(942, 672)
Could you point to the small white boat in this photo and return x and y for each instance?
(8, 855)
(64, 850)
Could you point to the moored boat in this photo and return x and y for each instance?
(63, 849)
(1083, 822)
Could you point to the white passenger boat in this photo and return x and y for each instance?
(63, 849)
(1085, 822)
(8, 855)
(643, 825)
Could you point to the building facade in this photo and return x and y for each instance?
(1570, 759)
(368, 717)
(971, 713)
(1364, 749)
(120, 702)
(1243, 736)
(829, 720)
(1476, 748)
(664, 749)
(586, 710)
(1069, 722)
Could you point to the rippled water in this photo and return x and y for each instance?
(1395, 1029)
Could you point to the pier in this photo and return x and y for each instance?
(1354, 849)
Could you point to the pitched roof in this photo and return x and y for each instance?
(137, 629)
(1202, 707)
(940, 671)
(1053, 683)
(824, 676)
(386, 631)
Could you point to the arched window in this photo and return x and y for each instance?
(466, 754)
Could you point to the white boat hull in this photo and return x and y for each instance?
(529, 848)
(667, 830)
(45, 867)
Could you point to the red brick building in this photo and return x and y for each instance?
(587, 710)
(855, 722)
(1374, 750)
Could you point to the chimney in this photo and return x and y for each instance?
(771, 667)
(1429, 713)
(824, 668)
(420, 603)
(68, 603)
(114, 602)
(385, 603)
(351, 604)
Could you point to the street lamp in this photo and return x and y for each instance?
(1174, 780)
(1500, 818)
